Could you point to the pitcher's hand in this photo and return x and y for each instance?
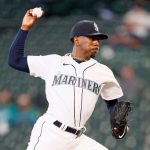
(29, 20)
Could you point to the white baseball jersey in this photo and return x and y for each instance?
(72, 89)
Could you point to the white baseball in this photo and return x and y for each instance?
(38, 12)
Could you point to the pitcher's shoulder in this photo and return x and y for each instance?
(103, 67)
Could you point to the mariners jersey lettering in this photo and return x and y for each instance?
(78, 82)
(73, 88)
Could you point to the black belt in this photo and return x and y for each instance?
(69, 129)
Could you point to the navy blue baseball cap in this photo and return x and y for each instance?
(86, 28)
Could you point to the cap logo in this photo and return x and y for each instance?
(96, 27)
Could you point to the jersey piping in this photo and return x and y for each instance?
(74, 94)
(82, 92)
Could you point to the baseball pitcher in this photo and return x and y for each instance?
(73, 83)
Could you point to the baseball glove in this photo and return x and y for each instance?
(118, 119)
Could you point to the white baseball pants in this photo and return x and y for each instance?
(46, 136)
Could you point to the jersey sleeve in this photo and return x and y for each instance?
(40, 66)
(110, 88)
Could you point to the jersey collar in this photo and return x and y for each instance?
(69, 60)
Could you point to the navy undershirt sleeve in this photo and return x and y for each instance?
(111, 104)
(16, 58)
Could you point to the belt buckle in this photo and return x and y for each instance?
(80, 132)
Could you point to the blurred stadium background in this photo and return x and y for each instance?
(130, 63)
